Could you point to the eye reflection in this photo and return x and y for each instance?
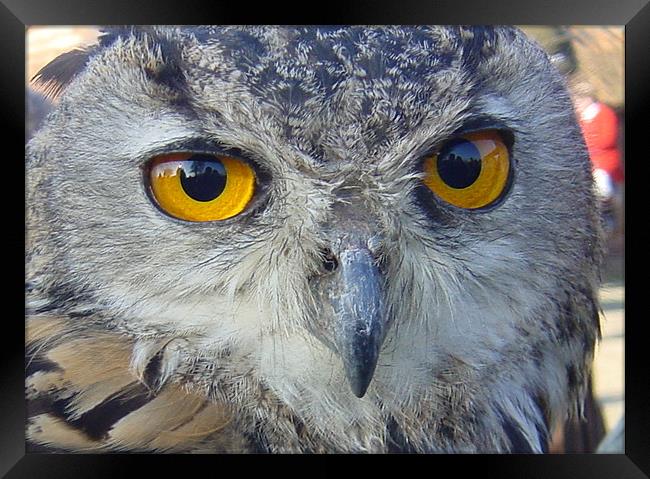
(459, 163)
(203, 180)
(470, 171)
(201, 187)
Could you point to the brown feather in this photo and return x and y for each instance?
(42, 327)
(48, 430)
(95, 401)
(209, 420)
(171, 409)
(43, 382)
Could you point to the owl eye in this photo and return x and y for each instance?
(201, 187)
(470, 171)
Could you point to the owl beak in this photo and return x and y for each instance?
(359, 323)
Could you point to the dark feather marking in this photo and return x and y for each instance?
(568, 325)
(58, 74)
(542, 432)
(573, 377)
(537, 355)
(543, 428)
(39, 363)
(61, 297)
(169, 73)
(478, 43)
(518, 443)
(446, 430)
(40, 405)
(152, 370)
(574, 324)
(98, 421)
(258, 441)
(542, 404)
(396, 441)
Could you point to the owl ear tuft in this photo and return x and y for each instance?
(56, 75)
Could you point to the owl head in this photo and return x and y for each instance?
(357, 221)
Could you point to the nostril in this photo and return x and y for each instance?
(330, 263)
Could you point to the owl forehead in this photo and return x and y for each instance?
(317, 61)
(358, 86)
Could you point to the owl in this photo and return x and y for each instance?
(308, 239)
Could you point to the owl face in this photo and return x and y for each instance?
(354, 215)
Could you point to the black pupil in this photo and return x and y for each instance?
(459, 163)
(203, 177)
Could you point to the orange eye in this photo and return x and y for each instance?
(470, 171)
(201, 187)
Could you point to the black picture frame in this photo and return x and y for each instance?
(15, 15)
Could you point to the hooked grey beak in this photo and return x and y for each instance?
(358, 322)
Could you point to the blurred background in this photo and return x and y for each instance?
(592, 59)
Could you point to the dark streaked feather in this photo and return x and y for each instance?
(56, 75)
(82, 396)
(518, 442)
